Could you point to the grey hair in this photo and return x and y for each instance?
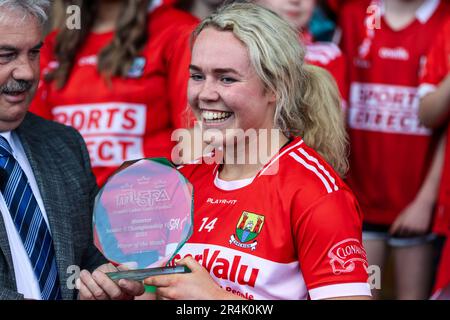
(36, 8)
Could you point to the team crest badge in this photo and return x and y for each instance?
(248, 228)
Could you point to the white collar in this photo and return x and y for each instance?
(231, 185)
(426, 10)
(423, 13)
(154, 4)
(8, 137)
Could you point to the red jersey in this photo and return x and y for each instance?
(135, 116)
(327, 55)
(391, 150)
(334, 5)
(436, 69)
(281, 235)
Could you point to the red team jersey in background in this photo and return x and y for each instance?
(135, 117)
(327, 55)
(390, 150)
(437, 68)
(293, 230)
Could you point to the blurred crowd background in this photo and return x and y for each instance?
(121, 80)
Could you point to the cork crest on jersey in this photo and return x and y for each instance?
(248, 228)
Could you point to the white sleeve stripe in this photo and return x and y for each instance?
(425, 89)
(340, 290)
(321, 167)
(279, 156)
(313, 169)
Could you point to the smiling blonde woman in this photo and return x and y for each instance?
(288, 228)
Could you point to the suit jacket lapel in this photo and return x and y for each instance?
(40, 157)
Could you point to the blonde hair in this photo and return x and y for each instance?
(308, 101)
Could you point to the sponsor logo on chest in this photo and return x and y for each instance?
(398, 53)
(221, 201)
(113, 131)
(385, 108)
(225, 267)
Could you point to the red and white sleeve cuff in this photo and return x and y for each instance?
(340, 290)
(425, 89)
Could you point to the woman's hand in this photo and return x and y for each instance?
(98, 286)
(414, 220)
(198, 284)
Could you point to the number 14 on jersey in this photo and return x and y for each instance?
(207, 225)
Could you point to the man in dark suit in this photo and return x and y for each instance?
(47, 187)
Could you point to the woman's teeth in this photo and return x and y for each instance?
(215, 116)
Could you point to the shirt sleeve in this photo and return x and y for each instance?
(331, 255)
(337, 69)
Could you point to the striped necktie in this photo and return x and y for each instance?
(30, 223)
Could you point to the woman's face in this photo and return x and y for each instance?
(224, 90)
(297, 12)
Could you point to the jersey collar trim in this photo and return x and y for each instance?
(425, 11)
(231, 185)
(238, 184)
(295, 143)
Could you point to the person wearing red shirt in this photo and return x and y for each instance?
(323, 54)
(391, 151)
(283, 228)
(434, 112)
(119, 81)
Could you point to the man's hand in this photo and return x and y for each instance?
(98, 286)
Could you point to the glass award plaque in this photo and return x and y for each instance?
(142, 217)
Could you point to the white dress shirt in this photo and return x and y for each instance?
(26, 281)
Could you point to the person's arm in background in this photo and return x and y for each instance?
(434, 90)
(417, 216)
(434, 110)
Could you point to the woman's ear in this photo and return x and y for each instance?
(272, 96)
